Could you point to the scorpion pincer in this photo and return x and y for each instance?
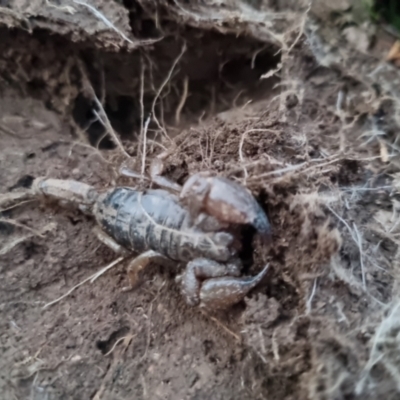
(193, 227)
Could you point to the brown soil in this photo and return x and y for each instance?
(306, 332)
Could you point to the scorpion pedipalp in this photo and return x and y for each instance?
(221, 293)
(225, 200)
(214, 286)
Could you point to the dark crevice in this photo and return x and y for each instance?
(142, 25)
(84, 116)
(106, 345)
(6, 228)
(222, 71)
(23, 182)
(246, 254)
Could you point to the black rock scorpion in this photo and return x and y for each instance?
(194, 226)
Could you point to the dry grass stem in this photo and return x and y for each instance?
(182, 101)
(290, 168)
(381, 349)
(301, 28)
(359, 243)
(94, 150)
(103, 118)
(8, 247)
(122, 339)
(116, 363)
(17, 205)
(356, 236)
(146, 126)
(142, 71)
(310, 299)
(161, 88)
(271, 72)
(90, 279)
(297, 167)
(221, 325)
(10, 132)
(101, 115)
(343, 275)
(255, 54)
(16, 223)
(149, 321)
(275, 346)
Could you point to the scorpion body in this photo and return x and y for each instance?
(193, 228)
(155, 220)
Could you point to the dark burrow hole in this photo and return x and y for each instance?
(221, 71)
(31, 249)
(246, 254)
(84, 116)
(24, 182)
(122, 111)
(6, 228)
(106, 345)
(248, 235)
(142, 26)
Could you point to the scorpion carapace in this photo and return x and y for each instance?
(193, 228)
(154, 219)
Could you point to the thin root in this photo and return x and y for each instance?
(224, 327)
(102, 18)
(124, 339)
(16, 223)
(101, 115)
(146, 126)
(161, 88)
(182, 101)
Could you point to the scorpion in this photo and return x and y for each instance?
(192, 224)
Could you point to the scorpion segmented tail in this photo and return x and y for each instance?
(72, 191)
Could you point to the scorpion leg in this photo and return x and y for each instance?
(156, 169)
(221, 293)
(208, 223)
(109, 241)
(139, 263)
(221, 287)
(199, 270)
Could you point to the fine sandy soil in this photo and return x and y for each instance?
(323, 324)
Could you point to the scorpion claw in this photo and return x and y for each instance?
(225, 200)
(221, 293)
